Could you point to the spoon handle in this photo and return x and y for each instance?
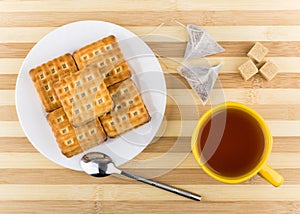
(163, 186)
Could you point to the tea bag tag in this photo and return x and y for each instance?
(200, 43)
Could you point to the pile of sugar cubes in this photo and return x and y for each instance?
(257, 64)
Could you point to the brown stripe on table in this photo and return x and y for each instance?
(191, 175)
(228, 80)
(163, 144)
(176, 49)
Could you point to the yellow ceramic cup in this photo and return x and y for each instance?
(262, 168)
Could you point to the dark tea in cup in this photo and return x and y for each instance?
(231, 142)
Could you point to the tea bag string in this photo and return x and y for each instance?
(167, 67)
(184, 26)
(151, 32)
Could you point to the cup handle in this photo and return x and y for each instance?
(270, 175)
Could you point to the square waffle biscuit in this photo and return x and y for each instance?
(108, 53)
(73, 141)
(129, 111)
(84, 95)
(48, 73)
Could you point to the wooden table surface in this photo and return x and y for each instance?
(29, 183)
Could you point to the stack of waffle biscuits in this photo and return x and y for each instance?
(88, 96)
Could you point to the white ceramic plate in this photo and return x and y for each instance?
(147, 74)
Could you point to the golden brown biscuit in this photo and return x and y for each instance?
(108, 54)
(73, 141)
(129, 111)
(48, 73)
(84, 95)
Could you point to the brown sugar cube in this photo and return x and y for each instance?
(248, 69)
(258, 52)
(269, 70)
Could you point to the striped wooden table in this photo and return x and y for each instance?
(29, 183)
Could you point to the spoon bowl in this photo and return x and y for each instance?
(98, 165)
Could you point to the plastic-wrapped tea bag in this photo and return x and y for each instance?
(200, 43)
(201, 78)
